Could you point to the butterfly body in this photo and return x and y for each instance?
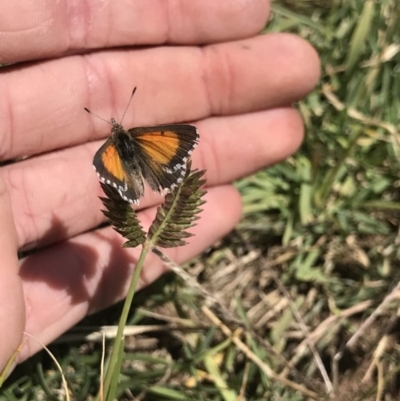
(156, 154)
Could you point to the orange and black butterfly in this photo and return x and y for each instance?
(157, 154)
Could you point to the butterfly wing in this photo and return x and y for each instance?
(164, 151)
(112, 170)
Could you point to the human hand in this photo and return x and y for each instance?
(237, 89)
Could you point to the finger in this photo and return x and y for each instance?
(54, 196)
(82, 275)
(12, 310)
(32, 29)
(229, 78)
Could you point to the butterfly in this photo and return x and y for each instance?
(156, 154)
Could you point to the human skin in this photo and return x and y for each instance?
(201, 62)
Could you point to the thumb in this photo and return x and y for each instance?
(12, 307)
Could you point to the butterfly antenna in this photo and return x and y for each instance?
(93, 114)
(133, 92)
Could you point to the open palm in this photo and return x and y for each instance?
(199, 62)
